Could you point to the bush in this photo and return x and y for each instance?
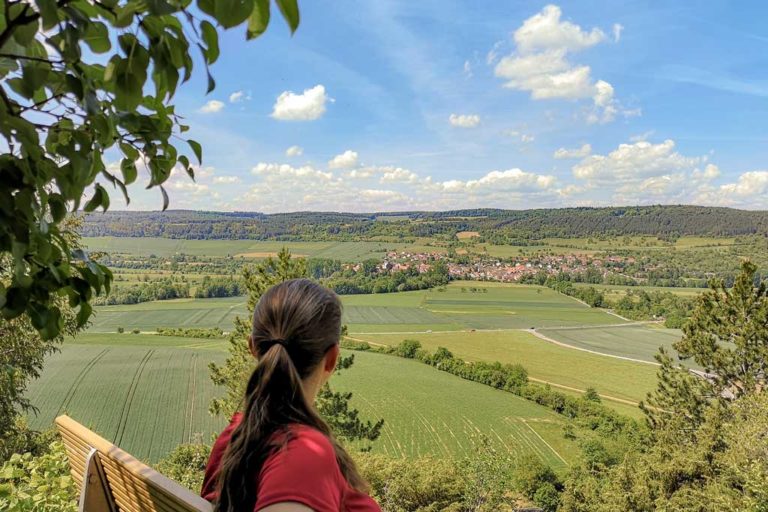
(186, 465)
(43, 483)
(120, 330)
(411, 485)
(408, 349)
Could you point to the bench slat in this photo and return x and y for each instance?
(135, 486)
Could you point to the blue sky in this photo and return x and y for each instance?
(395, 105)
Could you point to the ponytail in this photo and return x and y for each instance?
(274, 397)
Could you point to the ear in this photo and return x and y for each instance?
(251, 348)
(331, 358)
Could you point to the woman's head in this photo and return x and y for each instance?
(295, 339)
(302, 318)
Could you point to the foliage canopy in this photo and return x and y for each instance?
(82, 82)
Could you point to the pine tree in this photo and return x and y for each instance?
(233, 374)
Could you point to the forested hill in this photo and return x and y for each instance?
(493, 224)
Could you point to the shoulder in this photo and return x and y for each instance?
(308, 447)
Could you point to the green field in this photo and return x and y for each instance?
(544, 361)
(500, 306)
(148, 398)
(632, 341)
(616, 291)
(344, 251)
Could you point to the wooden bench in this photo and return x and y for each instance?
(111, 480)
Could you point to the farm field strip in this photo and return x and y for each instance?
(634, 342)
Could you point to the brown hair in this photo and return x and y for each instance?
(295, 323)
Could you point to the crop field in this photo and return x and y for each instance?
(431, 412)
(145, 399)
(149, 398)
(489, 306)
(344, 251)
(511, 306)
(148, 316)
(632, 341)
(563, 368)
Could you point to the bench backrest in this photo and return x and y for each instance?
(111, 480)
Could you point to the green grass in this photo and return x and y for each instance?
(544, 361)
(149, 398)
(633, 341)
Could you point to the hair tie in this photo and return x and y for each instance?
(272, 342)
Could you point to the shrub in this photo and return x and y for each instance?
(43, 483)
(408, 349)
(186, 465)
(120, 330)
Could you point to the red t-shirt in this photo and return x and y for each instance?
(304, 471)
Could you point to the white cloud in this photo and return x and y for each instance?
(641, 136)
(525, 138)
(710, 172)
(236, 97)
(539, 64)
(618, 28)
(346, 160)
(226, 180)
(308, 106)
(280, 171)
(212, 106)
(464, 120)
(362, 173)
(634, 163)
(749, 184)
(399, 175)
(581, 152)
(294, 151)
(467, 69)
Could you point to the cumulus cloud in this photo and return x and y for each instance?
(280, 171)
(212, 107)
(346, 160)
(464, 120)
(634, 163)
(226, 180)
(308, 106)
(539, 64)
(398, 175)
(749, 184)
(294, 151)
(237, 97)
(581, 152)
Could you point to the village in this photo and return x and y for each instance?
(494, 269)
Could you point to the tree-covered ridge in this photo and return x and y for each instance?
(500, 226)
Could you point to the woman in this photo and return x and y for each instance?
(278, 455)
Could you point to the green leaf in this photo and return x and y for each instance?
(207, 6)
(198, 150)
(231, 13)
(48, 12)
(58, 207)
(211, 40)
(211, 82)
(97, 37)
(290, 11)
(23, 34)
(259, 19)
(129, 151)
(128, 168)
(100, 198)
(83, 314)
